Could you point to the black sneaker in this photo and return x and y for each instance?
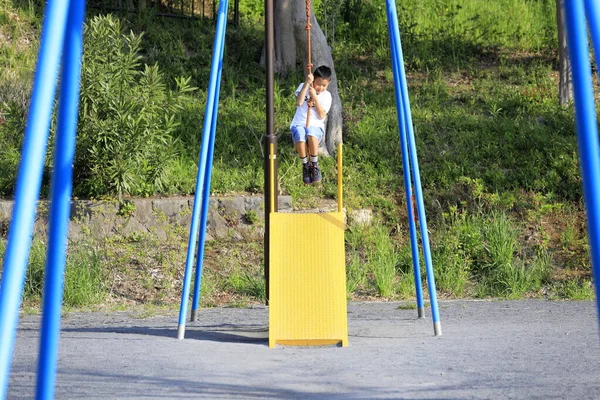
(306, 174)
(315, 174)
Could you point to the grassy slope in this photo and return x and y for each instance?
(498, 156)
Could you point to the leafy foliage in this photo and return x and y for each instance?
(128, 117)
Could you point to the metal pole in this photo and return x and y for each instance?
(236, 13)
(62, 184)
(592, 10)
(201, 173)
(340, 189)
(272, 181)
(393, 21)
(270, 136)
(206, 190)
(29, 181)
(587, 127)
(412, 227)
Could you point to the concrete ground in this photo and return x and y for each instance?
(529, 349)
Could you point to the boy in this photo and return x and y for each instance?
(313, 92)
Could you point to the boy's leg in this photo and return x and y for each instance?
(313, 138)
(299, 138)
(300, 149)
(313, 145)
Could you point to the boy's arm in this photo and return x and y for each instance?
(321, 113)
(302, 94)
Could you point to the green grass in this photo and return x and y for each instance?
(411, 306)
(383, 262)
(85, 283)
(84, 279)
(355, 274)
(577, 290)
(34, 278)
(405, 284)
(507, 23)
(506, 272)
(245, 283)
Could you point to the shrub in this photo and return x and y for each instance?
(127, 115)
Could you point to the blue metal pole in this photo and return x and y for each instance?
(587, 127)
(29, 181)
(201, 173)
(62, 184)
(414, 245)
(393, 21)
(209, 162)
(592, 10)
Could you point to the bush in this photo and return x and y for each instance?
(14, 100)
(127, 115)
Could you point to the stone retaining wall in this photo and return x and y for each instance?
(228, 217)
(240, 217)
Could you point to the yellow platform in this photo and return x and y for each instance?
(307, 280)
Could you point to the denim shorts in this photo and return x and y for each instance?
(300, 132)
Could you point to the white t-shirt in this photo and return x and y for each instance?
(325, 100)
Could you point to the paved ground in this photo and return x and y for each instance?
(489, 350)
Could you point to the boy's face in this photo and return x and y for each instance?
(320, 84)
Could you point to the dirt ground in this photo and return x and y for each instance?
(530, 349)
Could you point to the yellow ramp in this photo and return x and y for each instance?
(307, 280)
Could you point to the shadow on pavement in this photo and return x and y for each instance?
(216, 333)
(146, 387)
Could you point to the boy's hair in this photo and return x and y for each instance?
(323, 72)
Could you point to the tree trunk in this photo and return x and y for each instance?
(285, 42)
(565, 85)
(290, 46)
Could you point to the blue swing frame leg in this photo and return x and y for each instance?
(29, 180)
(414, 244)
(585, 119)
(203, 167)
(592, 11)
(404, 107)
(62, 184)
(206, 190)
